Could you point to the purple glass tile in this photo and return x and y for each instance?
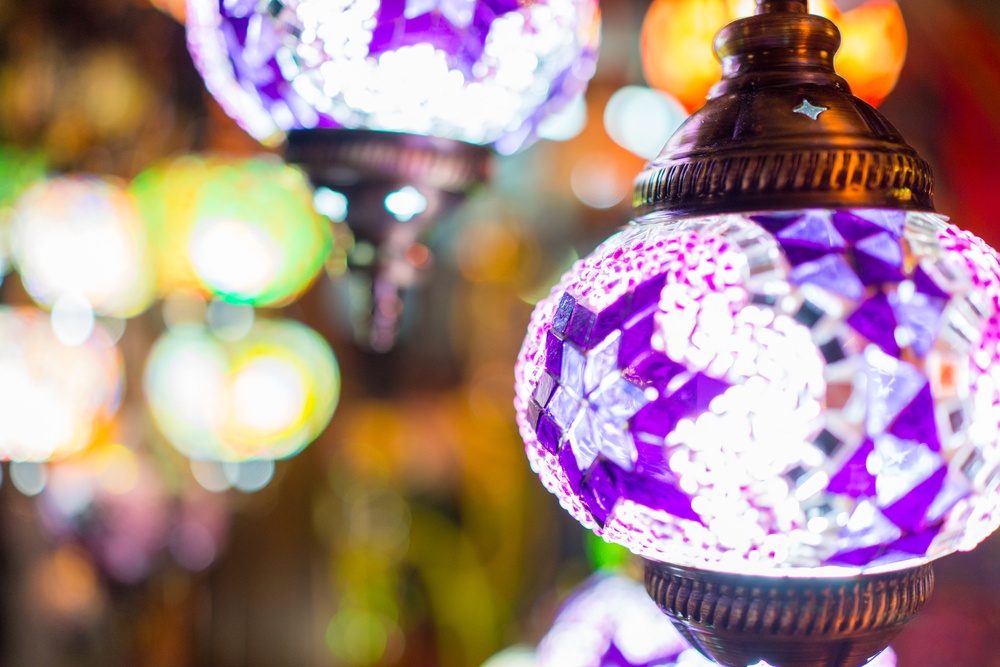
(648, 293)
(619, 400)
(916, 544)
(553, 353)
(853, 479)
(586, 438)
(652, 369)
(951, 493)
(563, 312)
(564, 407)
(926, 285)
(602, 363)
(856, 225)
(891, 386)
(922, 316)
(660, 494)
(581, 324)
(917, 421)
(875, 320)
(909, 511)
(891, 220)
(533, 412)
(811, 236)
(832, 273)
(698, 392)
(775, 222)
(600, 491)
(636, 340)
(567, 461)
(574, 363)
(546, 386)
(855, 557)
(878, 258)
(453, 26)
(862, 539)
(611, 318)
(656, 421)
(548, 432)
(907, 467)
(797, 255)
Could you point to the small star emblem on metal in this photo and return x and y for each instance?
(807, 109)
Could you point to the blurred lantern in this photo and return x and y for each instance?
(79, 241)
(423, 87)
(677, 45)
(782, 379)
(116, 503)
(609, 621)
(264, 396)
(242, 230)
(53, 397)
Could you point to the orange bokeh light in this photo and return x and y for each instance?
(677, 36)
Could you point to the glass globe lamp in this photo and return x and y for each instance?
(391, 106)
(778, 385)
(243, 231)
(79, 239)
(263, 396)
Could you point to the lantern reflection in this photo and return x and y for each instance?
(264, 396)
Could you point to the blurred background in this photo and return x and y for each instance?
(411, 531)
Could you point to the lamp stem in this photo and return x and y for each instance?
(771, 6)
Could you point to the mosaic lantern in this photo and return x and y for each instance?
(779, 384)
(423, 87)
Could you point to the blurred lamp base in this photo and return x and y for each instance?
(740, 620)
(392, 187)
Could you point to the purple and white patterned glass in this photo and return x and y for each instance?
(812, 389)
(479, 71)
(610, 621)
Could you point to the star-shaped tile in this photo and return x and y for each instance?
(594, 403)
(809, 109)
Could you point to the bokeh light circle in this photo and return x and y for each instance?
(82, 235)
(53, 397)
(805, 390)
(264, 396)
(485, 72)
(242, 230)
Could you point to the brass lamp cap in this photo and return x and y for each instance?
(783, 131)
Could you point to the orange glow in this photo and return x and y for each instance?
(677, 37)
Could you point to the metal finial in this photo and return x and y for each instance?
(782, 131)
(771, 6)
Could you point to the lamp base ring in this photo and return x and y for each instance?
(740, 620)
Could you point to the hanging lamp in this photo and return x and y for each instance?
(391, 107)
(779, 384)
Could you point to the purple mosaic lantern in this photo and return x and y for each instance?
(609, 621)
(423, 86)
(779, 385)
